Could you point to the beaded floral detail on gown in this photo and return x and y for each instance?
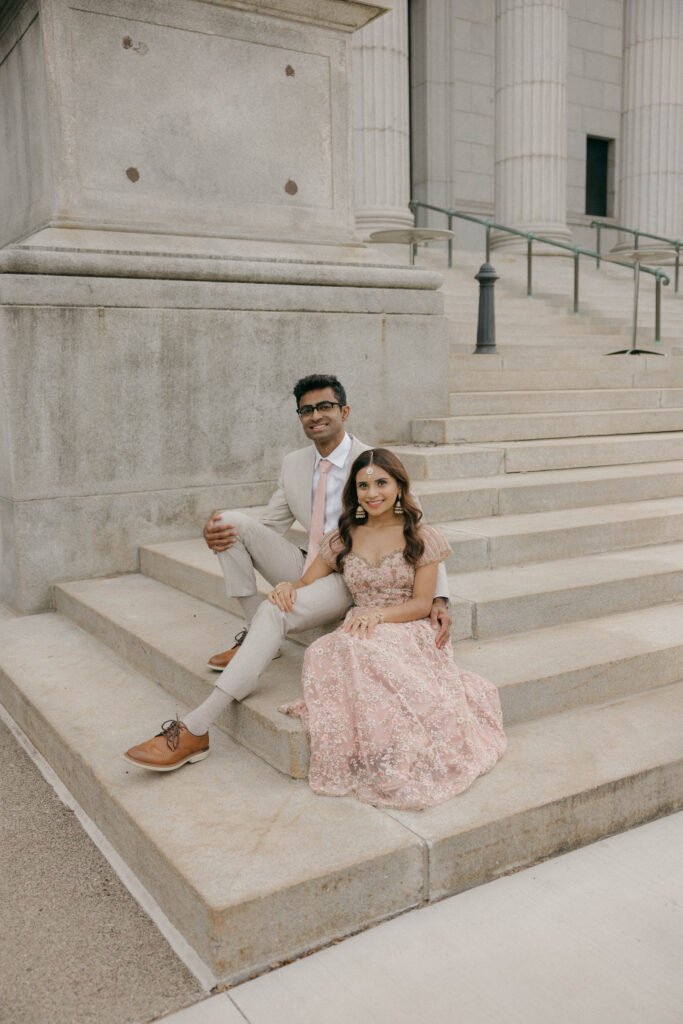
(391, 717)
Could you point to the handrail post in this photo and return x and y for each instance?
(450, 240)
(635, 235)
(636, 285)
(658, 310)
(488, 241)
(597, 242)
(576, 281)
(678, 254)
(529, 240)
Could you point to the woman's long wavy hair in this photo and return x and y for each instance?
(386, 460)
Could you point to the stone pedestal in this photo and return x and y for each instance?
(651, 163)
(177, 192)
(188, 118)
(381, 123)
(531, 119)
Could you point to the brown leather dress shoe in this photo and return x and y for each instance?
(219, 661)
(173, 747)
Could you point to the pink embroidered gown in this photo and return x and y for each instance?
(391, 717)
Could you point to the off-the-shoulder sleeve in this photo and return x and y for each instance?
(436, 546)
(330, 546)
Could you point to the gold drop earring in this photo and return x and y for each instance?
(398, 507)
(360, 512)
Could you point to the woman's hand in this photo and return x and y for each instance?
(363, 622)
(284, 596)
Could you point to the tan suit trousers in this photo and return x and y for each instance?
(277, 559)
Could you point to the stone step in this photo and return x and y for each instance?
(167, 634)
(545, 379)
(521, 312)
(252, 868)
(424, 462)
(465, 303)
(190, 567)
(567, 533)
(433, 462)
(170, 636)
(248, 864)
(481, 543)
(519, 598)
(491, 403)
(536, 426)
(611, 450)
(519, 493)
(558, 668)
(535, 358)
(542, 329)
(496, 596)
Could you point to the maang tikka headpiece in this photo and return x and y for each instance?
(370, 468)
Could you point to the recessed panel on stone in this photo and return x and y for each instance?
(236, 136)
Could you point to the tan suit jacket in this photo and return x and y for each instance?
(292, 498)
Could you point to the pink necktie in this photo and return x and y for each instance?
(318, 516)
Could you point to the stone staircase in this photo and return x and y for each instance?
(559, 484)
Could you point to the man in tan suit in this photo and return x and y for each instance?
(244, 544)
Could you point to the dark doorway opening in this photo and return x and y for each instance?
(597, 174)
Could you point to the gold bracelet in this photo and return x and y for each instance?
(365, 619)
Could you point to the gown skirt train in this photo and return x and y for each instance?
(391, 718)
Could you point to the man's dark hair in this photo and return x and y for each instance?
(316, 382)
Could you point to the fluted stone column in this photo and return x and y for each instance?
(651, 164)
(531, 118)
(381, 123)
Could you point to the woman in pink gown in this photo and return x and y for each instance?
(390, 715)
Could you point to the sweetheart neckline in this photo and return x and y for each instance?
(382, 559)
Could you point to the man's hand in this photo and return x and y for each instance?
(217, 535)
(441, 621)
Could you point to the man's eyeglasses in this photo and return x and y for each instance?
(305, 411)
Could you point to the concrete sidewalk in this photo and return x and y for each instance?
(588, 938)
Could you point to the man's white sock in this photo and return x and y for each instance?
(199, 720)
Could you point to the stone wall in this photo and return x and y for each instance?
(133, 406)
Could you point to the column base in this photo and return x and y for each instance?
(653, 253)
(368, 221)
(514, 244)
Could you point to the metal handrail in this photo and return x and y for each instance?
(577, 250)
(637, 233)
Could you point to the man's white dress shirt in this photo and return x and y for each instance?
(336, 479)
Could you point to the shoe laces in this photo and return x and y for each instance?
(171, 730)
